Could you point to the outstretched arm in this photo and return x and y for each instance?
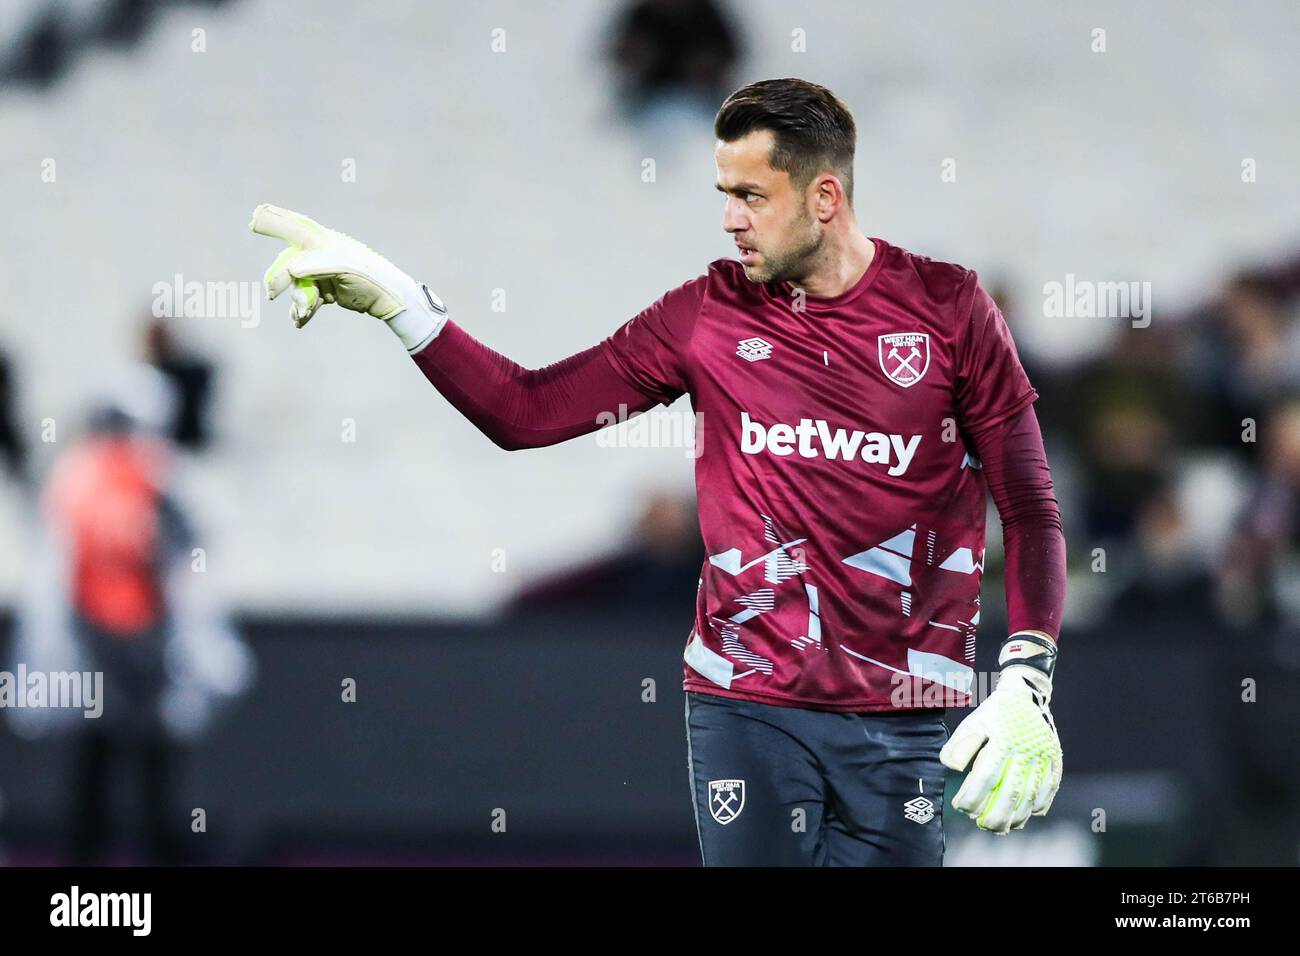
(630, 372)
(527, 408)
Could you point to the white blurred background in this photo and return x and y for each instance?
(480, 171)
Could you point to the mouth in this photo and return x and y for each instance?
(747, 253)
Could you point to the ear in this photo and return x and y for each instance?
(828, 196)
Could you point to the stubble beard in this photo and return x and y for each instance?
(794, 262)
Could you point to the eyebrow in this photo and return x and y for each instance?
(739, 188)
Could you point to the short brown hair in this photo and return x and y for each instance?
(812, 127)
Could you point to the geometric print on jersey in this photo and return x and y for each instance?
(779, 566)
(893, 559)
(735, 648)
(963, 562)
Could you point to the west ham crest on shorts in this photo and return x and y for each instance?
(726, 799)
(904, 356)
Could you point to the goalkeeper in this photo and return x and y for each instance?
(857, 403)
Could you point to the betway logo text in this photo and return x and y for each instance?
(813, 438)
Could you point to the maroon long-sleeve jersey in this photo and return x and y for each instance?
(841, 496)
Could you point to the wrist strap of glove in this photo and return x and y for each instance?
(420, 322)
(1028, 649)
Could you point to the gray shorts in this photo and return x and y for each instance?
(785, 786)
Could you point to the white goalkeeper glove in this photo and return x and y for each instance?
(1019, 763)
(323, 265)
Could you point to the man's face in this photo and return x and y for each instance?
(772, 221)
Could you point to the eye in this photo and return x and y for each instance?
(752, 198)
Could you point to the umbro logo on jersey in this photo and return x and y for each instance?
(904, 356)
(753, 350)
(814, 438)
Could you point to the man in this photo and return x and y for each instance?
(854, 401)
(113, 593)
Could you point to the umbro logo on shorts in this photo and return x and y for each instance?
(919, 810)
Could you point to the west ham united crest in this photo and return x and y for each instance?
(726, 799)
(904, 356)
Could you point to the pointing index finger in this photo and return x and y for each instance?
(292, 227)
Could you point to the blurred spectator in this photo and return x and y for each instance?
(191, 379)
(54, 35)
(1260, 594)
(1247, 355)
(661, 563)
(115, 593)
(12, 446)
(1127, 454)
(1168, 585)
(1125, 413)
(1261, 566)
(674, 53)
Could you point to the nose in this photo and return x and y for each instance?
(735, 216)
